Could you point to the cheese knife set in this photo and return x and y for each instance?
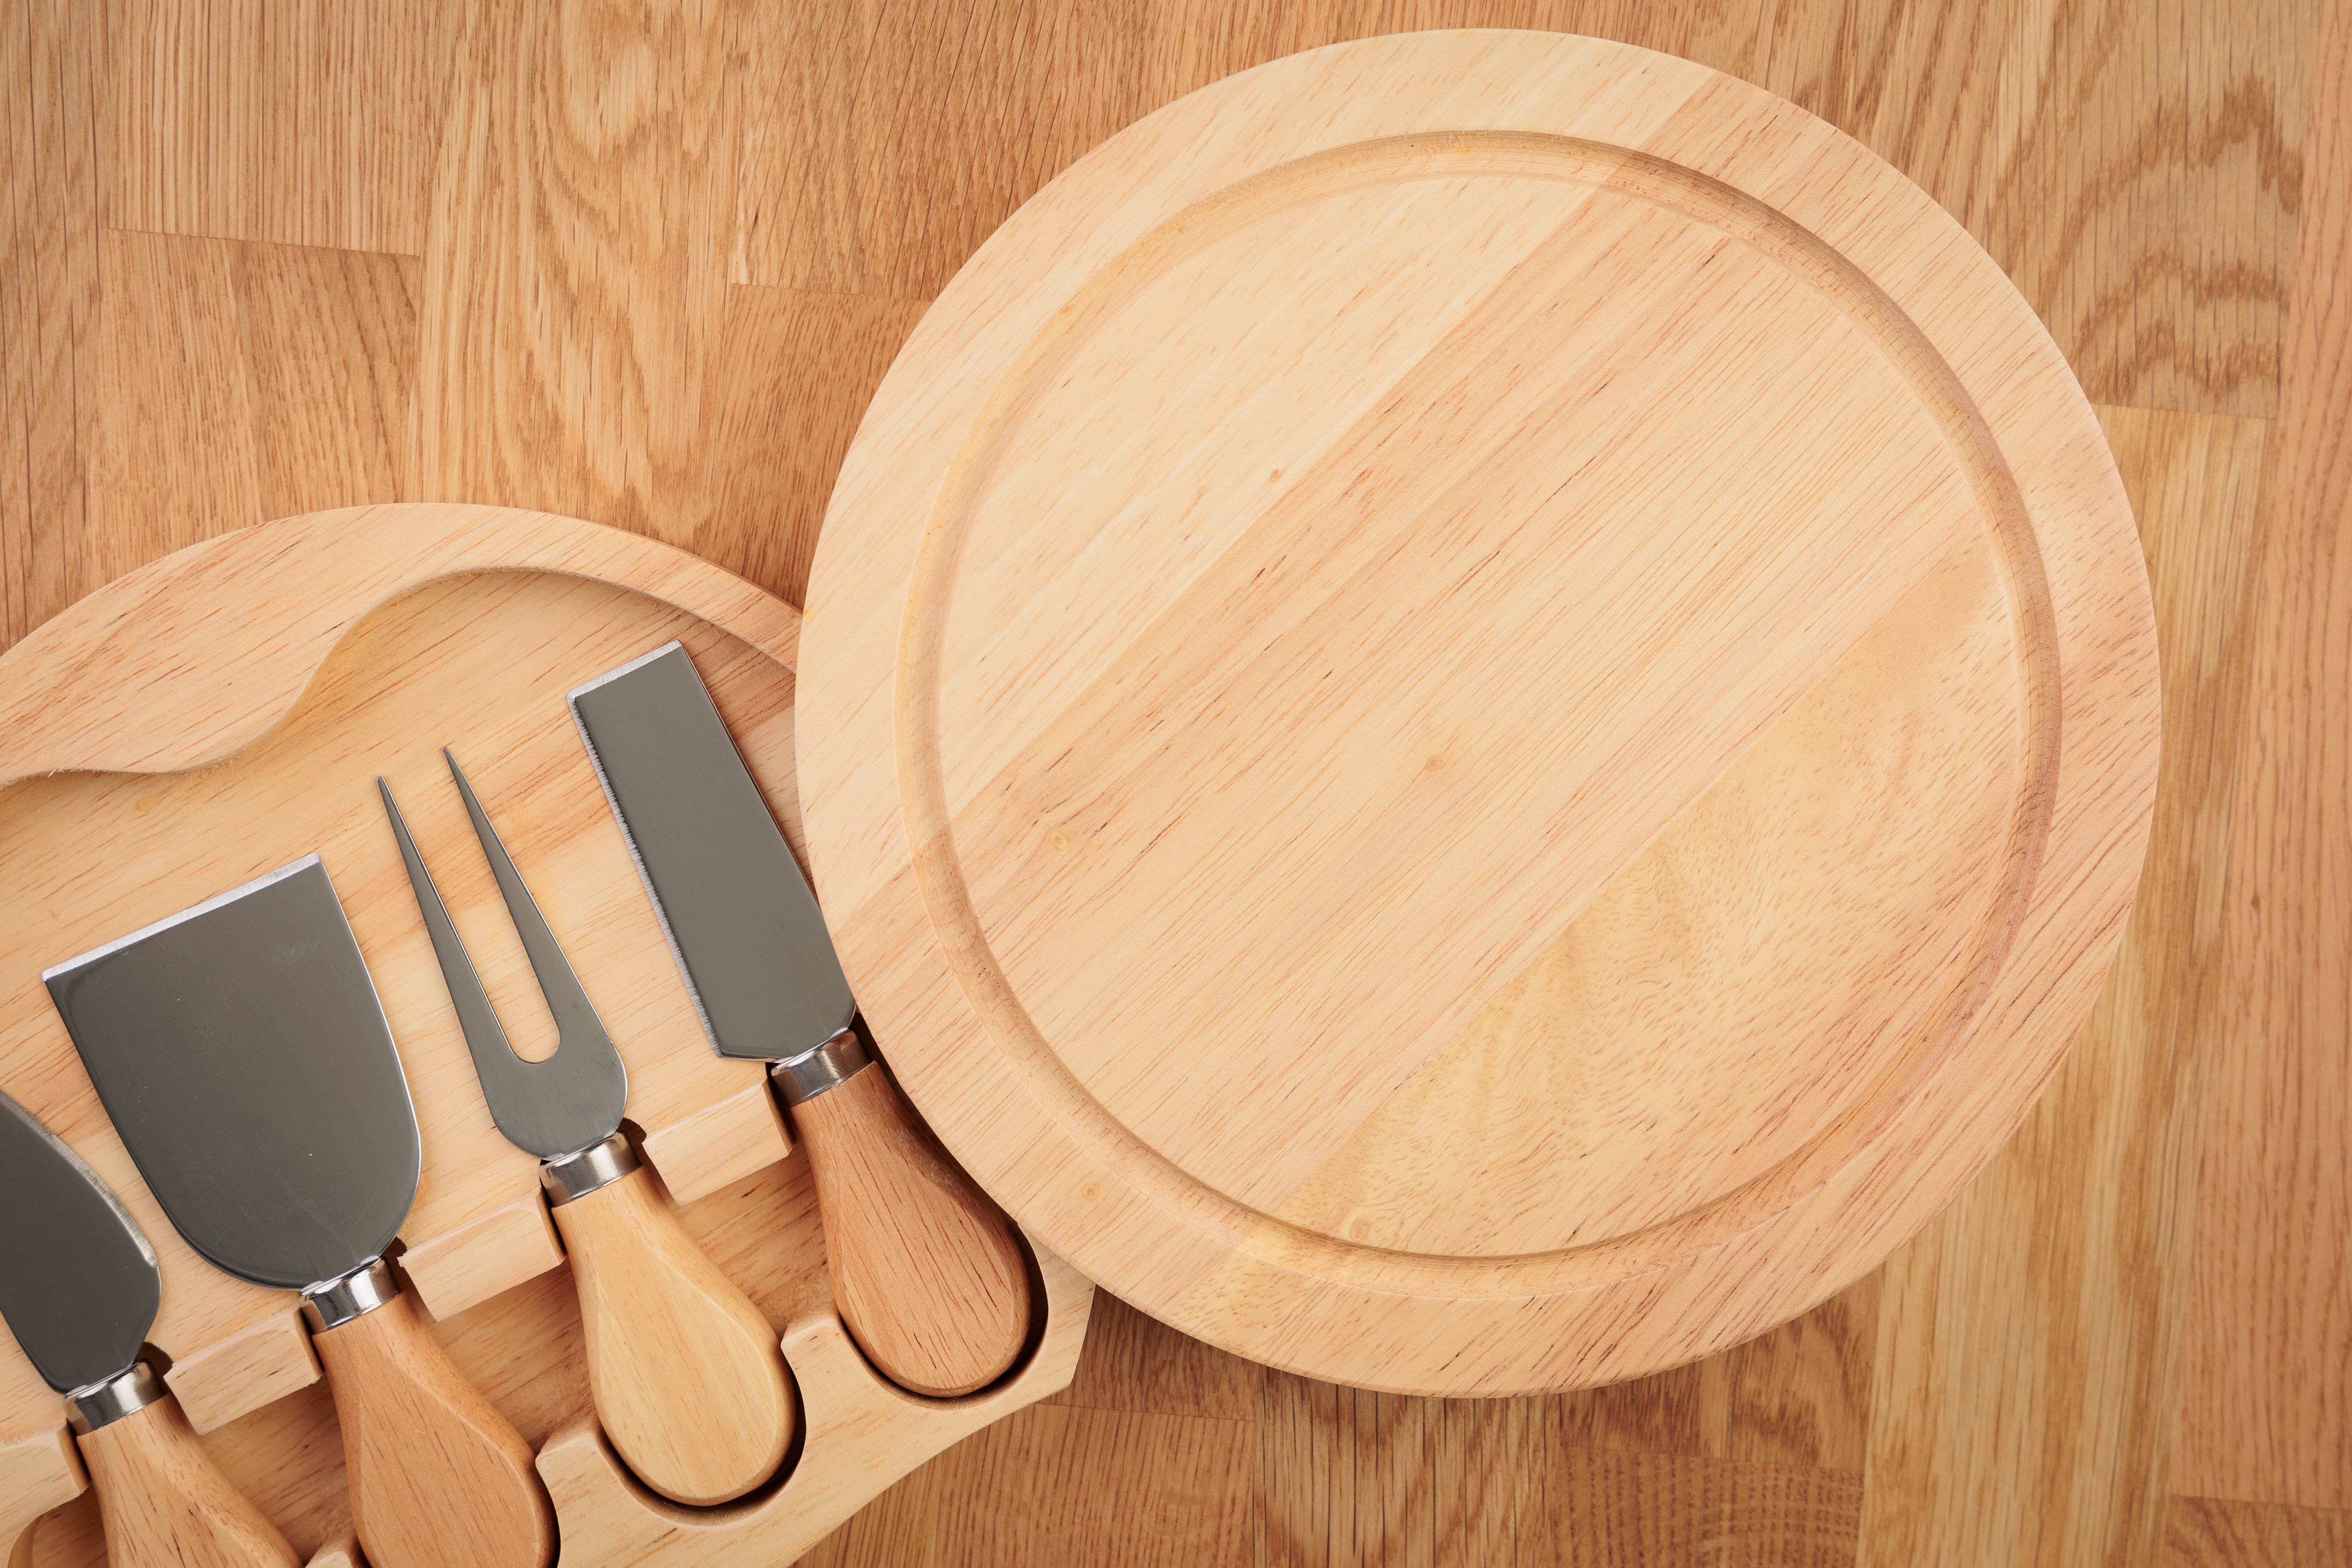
(241, 1051)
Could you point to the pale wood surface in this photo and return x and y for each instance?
(466, 1266)
(437, 1477)
(734, 1138)
(165, 1504)
(1525, 713)
(38, 1471)
(217, 1382)
(2138, 169)
(926, 1273)
(480, 1390)
(690, 1386)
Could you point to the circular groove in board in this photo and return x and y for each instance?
(930, 817)
(1473, 754)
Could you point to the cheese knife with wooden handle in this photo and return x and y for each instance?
(243, 1054)
(79, 1287)
(926, 1271)
(688, 1377)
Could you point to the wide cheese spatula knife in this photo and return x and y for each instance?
(925, 1269)
(242, 1053)
(78, 1286)
(688, 1377)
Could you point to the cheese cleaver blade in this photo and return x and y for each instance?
(926, 1271)
(241, 1051)
(78, 1286)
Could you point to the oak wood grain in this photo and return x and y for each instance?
(1060, 1485)
(2136, 168)
(1134, 1361)
(165, 1504)
(1800, 1394)
(260, 381)
(882, 144)
(304, 124)
(798, 371)
(2211, 1532)
(1644, 1508)
(55, 55)
(619, 205)
(177, 460)
(1355, 1477)
(1350, 1476)
(2089, 1202)
(2263, 1413)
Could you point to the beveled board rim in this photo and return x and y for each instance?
(1118, 1210)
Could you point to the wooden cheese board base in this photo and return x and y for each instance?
(236, 696)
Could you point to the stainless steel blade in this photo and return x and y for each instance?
(573, 1099)
(244, 1059)
(78, 1283)
(741, 923)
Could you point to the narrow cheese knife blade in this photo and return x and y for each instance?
(79, 1287)
(740, 920)
(78, 1283)
(926, 1271)
(241, 1051)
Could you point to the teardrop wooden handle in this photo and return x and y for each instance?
(164, 1504)
(926, 1271)
(689, 1376)
(437, 1478)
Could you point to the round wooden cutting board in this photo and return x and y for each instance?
(1479, 709)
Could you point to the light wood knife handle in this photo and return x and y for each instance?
(926, 1271)
(437, 1478)
(164, 1504)
(689, 1376)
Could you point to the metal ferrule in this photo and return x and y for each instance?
(355, 1295)
(813, 1071)
(100, 1404)
(598, 1165)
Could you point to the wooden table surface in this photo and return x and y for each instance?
(646, 264)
